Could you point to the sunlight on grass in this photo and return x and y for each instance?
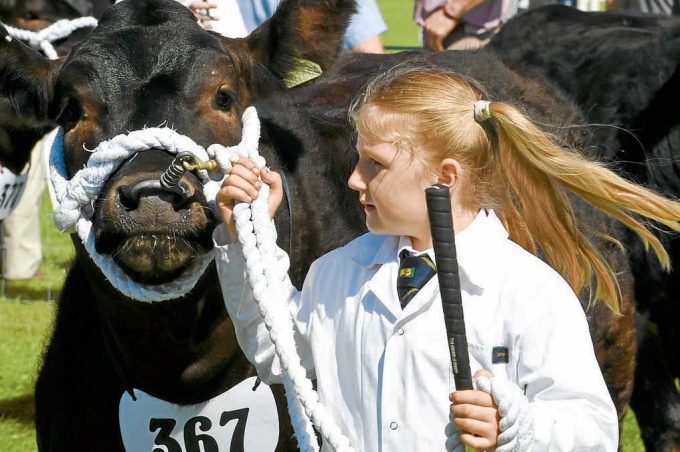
(24, 329)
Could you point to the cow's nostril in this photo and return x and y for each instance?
(130, 195)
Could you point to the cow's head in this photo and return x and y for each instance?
(147, 64)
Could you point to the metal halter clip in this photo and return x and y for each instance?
(193, 164)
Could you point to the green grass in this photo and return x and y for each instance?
(25, 326)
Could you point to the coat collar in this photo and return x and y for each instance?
(476, 246)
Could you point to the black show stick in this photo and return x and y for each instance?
(443, 241)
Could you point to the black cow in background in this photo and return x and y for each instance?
(18, 135)
(624, 70)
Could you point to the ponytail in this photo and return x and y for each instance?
(537, 210)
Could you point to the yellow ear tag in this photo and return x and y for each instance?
(304, 71)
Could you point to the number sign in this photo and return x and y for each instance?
(11, 189)
(243, 419)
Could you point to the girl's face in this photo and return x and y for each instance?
(391, 185)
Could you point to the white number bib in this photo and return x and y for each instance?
(239, 420)
(11, 188)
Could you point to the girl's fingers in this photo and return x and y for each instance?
(472, 397)
(227, 196)
(485, 414)
(234, 180)
(246, 173)
(476, 442)
(475, 427)
(246, 162)
(273, 179)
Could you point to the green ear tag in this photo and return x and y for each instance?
(304, 71)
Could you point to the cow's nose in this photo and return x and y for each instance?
(130, 195)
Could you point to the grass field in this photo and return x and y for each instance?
(25, 325)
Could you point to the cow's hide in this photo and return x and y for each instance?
(622, 71)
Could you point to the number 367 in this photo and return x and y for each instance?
(197, 433)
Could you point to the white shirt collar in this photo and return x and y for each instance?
(475, 247)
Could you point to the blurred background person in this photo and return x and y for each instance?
(461, 24)
(237, 18)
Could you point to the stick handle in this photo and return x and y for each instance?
(443, 241)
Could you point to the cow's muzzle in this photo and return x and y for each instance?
(178, 195)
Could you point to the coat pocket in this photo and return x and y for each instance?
(499, 359)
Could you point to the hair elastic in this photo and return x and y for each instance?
(482, 110)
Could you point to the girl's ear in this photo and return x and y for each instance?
(450, 173)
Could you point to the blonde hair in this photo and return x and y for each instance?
(522, 171)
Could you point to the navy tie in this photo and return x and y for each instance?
(414, 273)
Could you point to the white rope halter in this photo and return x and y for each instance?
(75, 197)
(42, 40)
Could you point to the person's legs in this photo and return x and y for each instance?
(21, 230)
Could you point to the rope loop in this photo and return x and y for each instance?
(42, 40)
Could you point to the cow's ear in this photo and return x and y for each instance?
(310, 30)
(26, 79)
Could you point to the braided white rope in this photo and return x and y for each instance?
(257, 235)
(42, 40)
(76, 196)
(516, 424)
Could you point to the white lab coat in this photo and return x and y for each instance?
(385, 374)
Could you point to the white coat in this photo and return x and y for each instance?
(385, 374)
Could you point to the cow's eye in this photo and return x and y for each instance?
(30, 15)
(70, 114)
(223, 99)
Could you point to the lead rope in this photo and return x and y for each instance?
(257, 236)
(42, 40)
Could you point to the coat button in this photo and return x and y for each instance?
(400, 331)
(394, 425)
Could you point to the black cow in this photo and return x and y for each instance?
(623, 70)
(148, 63)
(18, 135)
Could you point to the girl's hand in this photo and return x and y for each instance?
(243, 184)
(476, 416)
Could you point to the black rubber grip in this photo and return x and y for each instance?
(443, 241)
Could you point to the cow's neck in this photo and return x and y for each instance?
(182, 351)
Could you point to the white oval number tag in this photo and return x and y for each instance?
(239, 420)
(11, 188)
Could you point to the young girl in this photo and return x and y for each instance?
(376, 341)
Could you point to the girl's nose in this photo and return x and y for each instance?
(355, 180)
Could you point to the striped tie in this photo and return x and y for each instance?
(414, 273)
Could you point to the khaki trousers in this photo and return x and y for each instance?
(21, 230)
